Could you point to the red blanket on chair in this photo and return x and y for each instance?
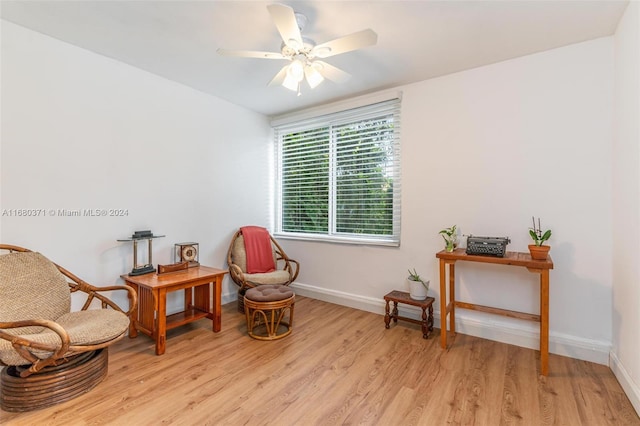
(257, 244)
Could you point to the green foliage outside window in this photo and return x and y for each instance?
(355, 163)
(305, 186)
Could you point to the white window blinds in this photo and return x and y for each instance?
(338, 176)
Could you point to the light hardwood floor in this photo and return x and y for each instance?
(339, 366)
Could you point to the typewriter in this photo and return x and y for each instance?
(487, 246)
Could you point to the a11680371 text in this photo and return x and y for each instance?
(65, 212)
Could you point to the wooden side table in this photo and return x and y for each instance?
(396, 297)
(202, 287)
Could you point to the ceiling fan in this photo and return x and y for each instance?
(302, 53)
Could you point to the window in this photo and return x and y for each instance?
(338, 176)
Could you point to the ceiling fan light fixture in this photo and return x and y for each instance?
(314, 78)
(291, 83)
(294, 75)
(296, 70)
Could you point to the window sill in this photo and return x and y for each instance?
(336, 239)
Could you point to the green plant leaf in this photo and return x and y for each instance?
(546, 235)
(414, 276)
(448, 231)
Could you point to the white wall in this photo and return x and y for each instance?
(625, 361)
(486, 149)
(82, 131)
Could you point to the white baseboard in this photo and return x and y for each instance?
(229, 297)
(630, 388)
(497, 328)
(369, 304)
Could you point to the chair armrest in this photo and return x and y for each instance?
(290, 265)
(24, 346)
(236, 274)
(293, 271)
(94, 292)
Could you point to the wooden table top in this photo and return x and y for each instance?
(404, 297)
(195, 273)
(514, 258)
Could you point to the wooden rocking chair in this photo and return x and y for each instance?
(52, 354)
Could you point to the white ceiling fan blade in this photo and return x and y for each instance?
(250, 54)
(331, 72)
(285, 19)
(279, 78)
(344, 44)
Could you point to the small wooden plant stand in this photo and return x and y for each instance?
(396, 297)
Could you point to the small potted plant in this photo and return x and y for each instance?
(450, 236)
(538, 250)
(417, 287)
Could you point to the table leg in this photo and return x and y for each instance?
(443, 306)
(452, 297)
(544, 322)
(133, 331)
(394, 313)
(160, 333)
(217, 304)
(430, 320)
(425, 325)
(387, 317)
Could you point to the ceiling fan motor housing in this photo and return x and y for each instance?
(290, 51)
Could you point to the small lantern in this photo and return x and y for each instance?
(140, 268)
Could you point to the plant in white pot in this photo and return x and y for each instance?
(417, 287)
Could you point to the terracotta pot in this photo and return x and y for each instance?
(539, 252)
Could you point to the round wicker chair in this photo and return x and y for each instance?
(286, 268)
(50, 353)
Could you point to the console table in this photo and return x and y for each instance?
(151, 316)
(540, 267)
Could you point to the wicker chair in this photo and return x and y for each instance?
(51, 354)
(286, 268)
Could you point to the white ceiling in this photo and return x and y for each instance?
(417, 40)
